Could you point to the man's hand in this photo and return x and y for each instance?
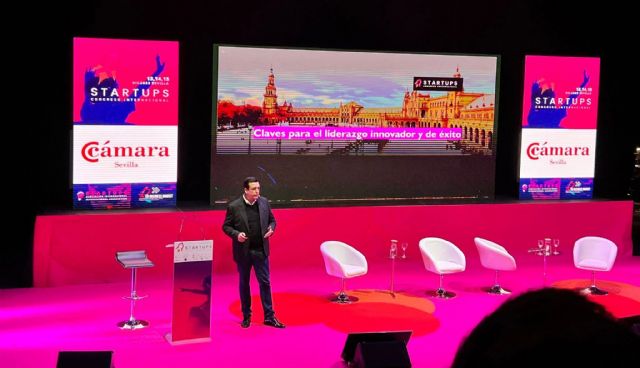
(242, 237)
(268, 233)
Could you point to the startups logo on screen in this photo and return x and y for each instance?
(437, 84)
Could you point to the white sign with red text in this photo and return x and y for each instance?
(557, 153)
(125, 154)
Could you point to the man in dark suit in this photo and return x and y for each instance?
(250, 223)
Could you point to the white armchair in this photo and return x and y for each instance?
(343, 261)
(442, 257)
(495, 257)
(594, 254)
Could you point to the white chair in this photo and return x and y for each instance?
(442, 257)
(343, 261)
(594, 254)
(495, 257)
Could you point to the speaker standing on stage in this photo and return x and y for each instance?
(250, 223)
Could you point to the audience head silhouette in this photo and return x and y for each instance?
(549, 327)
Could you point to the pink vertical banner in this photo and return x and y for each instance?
(559, 123)
(191, 314)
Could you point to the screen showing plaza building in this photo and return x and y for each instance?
(320, 126)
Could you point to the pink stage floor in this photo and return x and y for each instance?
(37, 323)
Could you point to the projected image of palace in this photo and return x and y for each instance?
(260, 87)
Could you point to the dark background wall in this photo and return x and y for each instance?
(39, 73)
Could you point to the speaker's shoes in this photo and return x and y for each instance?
(273, 322)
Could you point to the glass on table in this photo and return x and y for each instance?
(393, 250)
(547, 246)
(404, 247)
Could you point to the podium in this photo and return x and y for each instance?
(192, 271)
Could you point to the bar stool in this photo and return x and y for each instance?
(133, 259)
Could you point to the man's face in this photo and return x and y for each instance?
(253, 192)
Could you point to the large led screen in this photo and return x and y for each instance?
(323, 127)
(125, 117)
(559, 122)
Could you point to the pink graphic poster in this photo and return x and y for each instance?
(125, 82)
(561, 92)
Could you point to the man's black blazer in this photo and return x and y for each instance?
(236, 222)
